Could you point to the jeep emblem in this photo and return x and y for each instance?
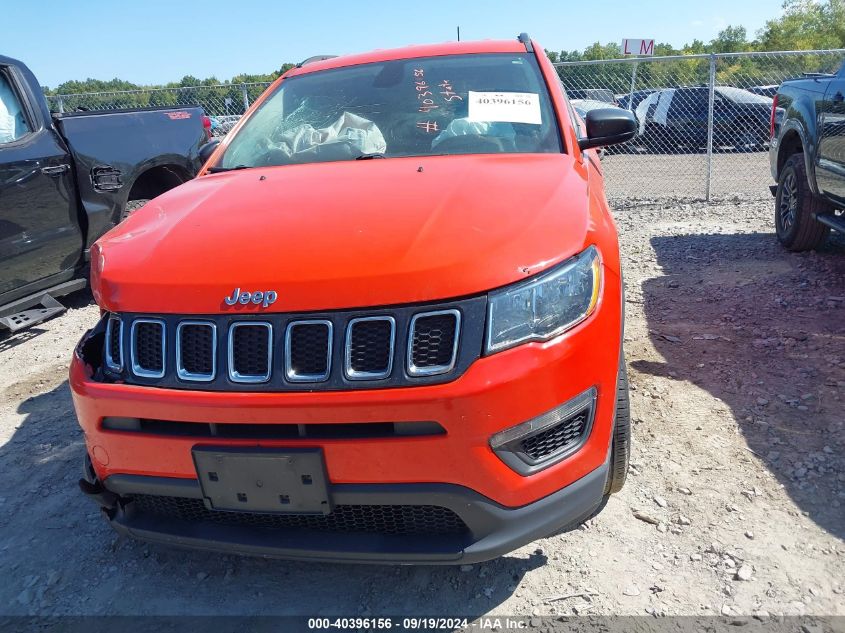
(263, 297)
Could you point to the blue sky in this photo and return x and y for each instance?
(154, 41)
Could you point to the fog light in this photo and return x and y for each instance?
(547, 439)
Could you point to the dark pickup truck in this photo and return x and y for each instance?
(66, 179)
(807, 156)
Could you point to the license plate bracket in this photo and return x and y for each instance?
(285, 481)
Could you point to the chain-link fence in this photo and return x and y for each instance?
(704, 119)
(224, 104)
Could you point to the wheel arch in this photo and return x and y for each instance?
(794, 139)
(157, 179)
(151, 179)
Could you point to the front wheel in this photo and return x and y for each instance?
(620, 451)
(796, 208)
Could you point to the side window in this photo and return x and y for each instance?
(13, 123)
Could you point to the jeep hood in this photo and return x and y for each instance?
(347, 234)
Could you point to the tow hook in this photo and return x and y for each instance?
(98, 493)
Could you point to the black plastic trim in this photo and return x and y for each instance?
(271, 431)
(494, 529)
(513, 454)
(837, 223)
(523, 37)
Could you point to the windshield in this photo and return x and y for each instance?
(454, 104)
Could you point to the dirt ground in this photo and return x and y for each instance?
(685, 174)
(736, 355)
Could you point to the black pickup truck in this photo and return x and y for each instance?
(807, 156)
(65, 179)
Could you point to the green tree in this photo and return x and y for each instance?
(805, 25)
(732, 39)
(611, 50)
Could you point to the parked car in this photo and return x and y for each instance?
(594, 94)
(583, 106)
(222, 125)
(807, 158)
(635, 98)
(677, 118)
(767, 91)
(67, 179)
(371, 329)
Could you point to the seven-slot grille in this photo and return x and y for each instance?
(335, 351)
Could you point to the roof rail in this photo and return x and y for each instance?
(314, 58)
(523, 37)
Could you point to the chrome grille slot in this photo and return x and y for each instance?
(196, 350)
(308, 350)
(369, 347)
(114, 344)
(250, 351)
(147, 348)
(433, 342)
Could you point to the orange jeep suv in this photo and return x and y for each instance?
(383, 324)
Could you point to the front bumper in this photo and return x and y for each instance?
(456, 469)
(496, 392)
(492, 529)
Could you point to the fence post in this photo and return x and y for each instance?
(246, 97)
(633, 87)
(61, 105)
(711, 85)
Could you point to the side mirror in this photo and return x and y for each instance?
(609, 126)
(207, 150)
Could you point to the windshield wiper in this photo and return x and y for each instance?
(215, 170)
(369, 156)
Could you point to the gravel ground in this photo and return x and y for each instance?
(734, 503)
(684, 174)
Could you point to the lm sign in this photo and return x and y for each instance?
(638, 47)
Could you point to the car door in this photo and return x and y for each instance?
(40, 238)
(830, 171)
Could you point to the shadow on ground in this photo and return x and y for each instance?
(62, 558)
(762, 330)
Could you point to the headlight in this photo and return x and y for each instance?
(542, 308)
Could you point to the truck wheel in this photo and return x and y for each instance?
(796, 208)
(620, 451)
(131, 207)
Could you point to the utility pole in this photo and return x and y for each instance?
(459, 34)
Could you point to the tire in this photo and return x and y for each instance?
(620, 451)
(796, 208)
(131, 207)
